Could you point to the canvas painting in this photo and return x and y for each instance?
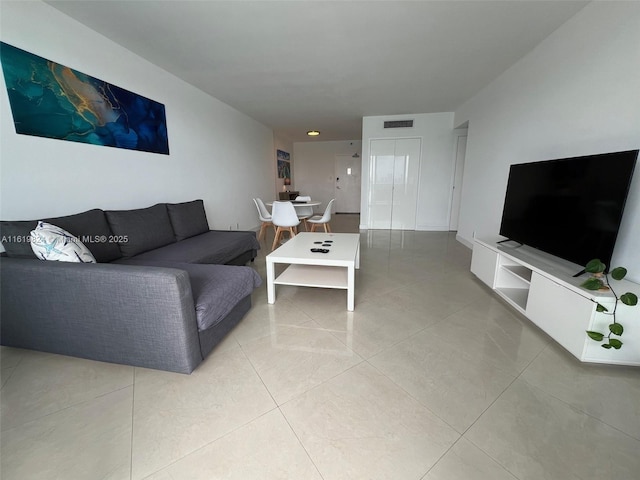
(284, 164)
(50, 100)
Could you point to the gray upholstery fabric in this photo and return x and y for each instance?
(215, 246)
(135, 315)
(188, 219)
(141, 230)
(15, 238)
(130, 311)
(210, 337)
(216, 289)
(90, 227)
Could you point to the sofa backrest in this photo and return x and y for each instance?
(90, 227)
(140, 230)
(188, 219)
(113, 234)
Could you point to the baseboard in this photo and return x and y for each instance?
(432, 228)
(464, 241)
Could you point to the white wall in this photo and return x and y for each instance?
(217, 153)
(436, 168)
(575, 94)
(314, 172)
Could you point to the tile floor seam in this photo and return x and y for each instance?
(299, 440)
(226, 434)
(258, 375)
(503, 391)
(384, 349)
(579, 410)
(215, 439)
(13, 371)
(298, 395)
(492, 458)
(462, 353)
(512, 373)
(573, 407)
(422, 404)
(441, 457)
(67, 407)
(464, 434)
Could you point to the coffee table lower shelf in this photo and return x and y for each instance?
(314, 276)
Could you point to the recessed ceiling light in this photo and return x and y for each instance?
(313, 133)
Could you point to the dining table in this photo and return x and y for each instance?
(311, 203)
(297, 205)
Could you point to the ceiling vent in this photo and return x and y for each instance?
(399, 124)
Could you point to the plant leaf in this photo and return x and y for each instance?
(629, 299)
(616, 329)
(615, 343)
(595, 266)
(592, 284)
(601, 308)
(606, 345)
(597, 336)
(618, 273)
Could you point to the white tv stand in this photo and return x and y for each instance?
(543, 289)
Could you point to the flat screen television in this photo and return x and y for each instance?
(569, 207)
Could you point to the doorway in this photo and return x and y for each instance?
(461, 150)
(347, 184)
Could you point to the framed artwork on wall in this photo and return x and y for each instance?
(284, 164)
(53, 101)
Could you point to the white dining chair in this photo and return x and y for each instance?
(265, 218)
(304, 212)
(323, 219)
(285, 219)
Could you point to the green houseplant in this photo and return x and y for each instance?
(599, 280)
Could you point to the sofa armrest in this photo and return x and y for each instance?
(134, 315)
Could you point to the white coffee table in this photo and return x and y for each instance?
(335, 269)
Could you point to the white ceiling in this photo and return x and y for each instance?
(301, 65)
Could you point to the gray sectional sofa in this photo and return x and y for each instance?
(164, 292)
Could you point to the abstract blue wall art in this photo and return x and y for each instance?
(50, 100)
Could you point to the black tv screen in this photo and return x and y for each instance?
(570, 207)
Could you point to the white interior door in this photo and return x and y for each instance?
(347, 184)
(393, 183)
(461, 150)
(405, 184)
(382, 160)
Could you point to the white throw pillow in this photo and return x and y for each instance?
(49, 242)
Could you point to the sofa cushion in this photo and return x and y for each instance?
(90, 227)
(215, 246)
(16, 238)
(50, 242)
(141, 230)
(216, 289)
(188, 219)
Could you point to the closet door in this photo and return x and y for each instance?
(405, 184)
(382, 153)
(393, 183)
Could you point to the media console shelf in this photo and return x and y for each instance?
(543, 289)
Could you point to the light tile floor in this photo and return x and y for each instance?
(431, 377)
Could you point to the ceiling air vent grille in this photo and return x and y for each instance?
(399, 124)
